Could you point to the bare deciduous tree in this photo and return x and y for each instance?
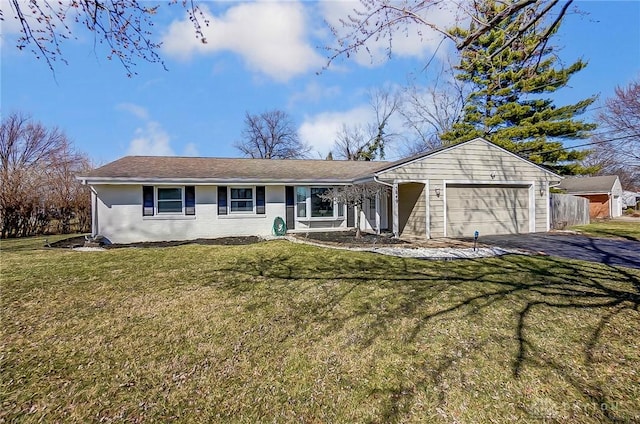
(376, 20)
(352, 143)
(355, 142)
(617, 151)
(125, 26)
(429, 111)
(37, 178)
(622, 117)
(354, 196)
(271, 135)
(68, 198)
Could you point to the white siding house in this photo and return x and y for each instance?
(450, 192)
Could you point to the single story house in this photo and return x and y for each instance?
(604, 193)
(448, 192)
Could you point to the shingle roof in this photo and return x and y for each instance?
(220, 169)
(600, 184)
(391, 165)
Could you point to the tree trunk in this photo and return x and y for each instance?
(358, 213)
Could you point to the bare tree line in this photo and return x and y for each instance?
(617, 150)
(38, 189)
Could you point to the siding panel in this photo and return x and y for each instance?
(473, 161)
(412, 210)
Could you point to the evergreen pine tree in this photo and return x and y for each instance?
(512, 68)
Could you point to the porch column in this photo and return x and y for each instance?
(94, 213)
(394, 207)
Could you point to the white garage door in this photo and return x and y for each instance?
(489, 209)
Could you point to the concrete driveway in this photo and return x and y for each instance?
(606, 251)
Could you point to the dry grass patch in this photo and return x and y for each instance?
(285, 332)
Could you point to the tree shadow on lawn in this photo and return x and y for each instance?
(329, 294)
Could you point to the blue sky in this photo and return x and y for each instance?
(262, 56)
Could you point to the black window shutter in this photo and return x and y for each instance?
(147, 201)
(189, 200)
(260, 200)
(222, 200)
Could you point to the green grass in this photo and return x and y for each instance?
(282, 332)
(614, 229)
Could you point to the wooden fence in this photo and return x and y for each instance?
(568, 210)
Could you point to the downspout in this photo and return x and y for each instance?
(94, 208)
(94, 212)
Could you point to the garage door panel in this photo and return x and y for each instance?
(487, 209)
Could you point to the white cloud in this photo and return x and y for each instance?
(151, 140)
(418, 41)
(190, 150)
(320, 130)
(135, 110)
(269, 36)
(10, 24)
(313, 92)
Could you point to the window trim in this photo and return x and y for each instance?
(336, 216)
(300, 189)
(256, 210)
(322, 201)
(157, 200)
(230, 200)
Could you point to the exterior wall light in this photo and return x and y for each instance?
(493, 175)
(437, 190)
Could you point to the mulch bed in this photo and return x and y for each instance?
(342, 238)
(349, 239)
(332, 238)
(221, 241)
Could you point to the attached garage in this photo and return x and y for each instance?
(488, 209)
(467, 187)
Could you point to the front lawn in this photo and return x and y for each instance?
(282, 332)
(615, 229)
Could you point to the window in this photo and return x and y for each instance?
(170, 200)
(372, 208)
(301, 201)
(241, 200)
(320, 208)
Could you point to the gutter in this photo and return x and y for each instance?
(375, 178)
(205, 181)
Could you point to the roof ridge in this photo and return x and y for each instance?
(260, 159)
